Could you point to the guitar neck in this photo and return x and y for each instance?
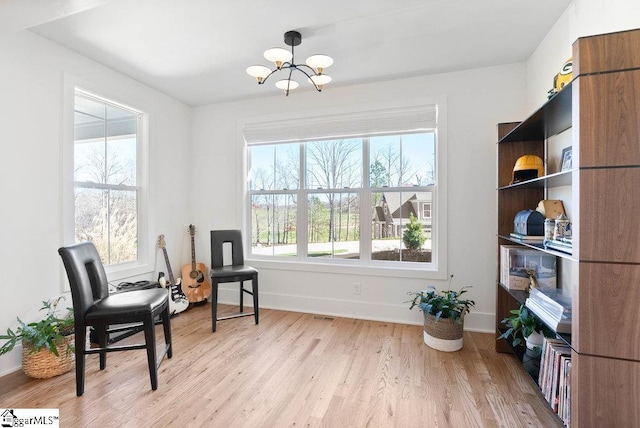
(193, 254)
(169, 271)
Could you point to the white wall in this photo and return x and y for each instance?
(31, 83)
(582, 18)
(476, 101)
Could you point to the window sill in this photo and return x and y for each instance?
(117, 273)
(416, 272)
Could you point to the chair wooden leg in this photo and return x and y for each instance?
(214, 303)
(254, 288)
(81, 337)
(241, 296)
(150, 338)
(166, 325)
(103, 338)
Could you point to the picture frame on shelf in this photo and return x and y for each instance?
(566, 162)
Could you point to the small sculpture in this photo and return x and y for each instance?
(533, 282)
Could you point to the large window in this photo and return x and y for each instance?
(357, 199)
(106, 177)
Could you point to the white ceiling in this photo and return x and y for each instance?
(197, 50)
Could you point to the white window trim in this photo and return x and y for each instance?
(438, 268)
(146, 245)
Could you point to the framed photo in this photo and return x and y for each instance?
(566, 163)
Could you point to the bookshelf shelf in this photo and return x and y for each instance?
(550, 119)
(562, 178)
(539, 247)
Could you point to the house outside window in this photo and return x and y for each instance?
(107, 191)
(347, 199)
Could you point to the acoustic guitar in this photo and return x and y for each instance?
(195, 283)
(177, 299)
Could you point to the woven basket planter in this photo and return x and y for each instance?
(44, 364)
(444, 335)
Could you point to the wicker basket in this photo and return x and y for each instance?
(44, 364)
(444, 335)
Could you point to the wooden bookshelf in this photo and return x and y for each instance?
(602, 106)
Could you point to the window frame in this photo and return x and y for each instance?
(145, 262)
(436, 270)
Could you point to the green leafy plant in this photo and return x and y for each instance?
(44, 334)
(442, 303)
(521, 324)
(413, 237)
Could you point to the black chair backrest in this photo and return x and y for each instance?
(218, 239)
(86, 274)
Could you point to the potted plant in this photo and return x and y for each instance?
(444, 313)
(47, 345)
(523, 327)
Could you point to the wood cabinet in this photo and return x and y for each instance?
(600, 108)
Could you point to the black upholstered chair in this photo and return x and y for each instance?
(236, 272)
(94, 306)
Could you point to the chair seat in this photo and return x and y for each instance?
(130, 304)
(231, 273)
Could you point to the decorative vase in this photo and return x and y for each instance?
(43, 364)
(534, 340)
(531, 361)
(444, 335)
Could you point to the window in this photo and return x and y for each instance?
(426, 210)
(107, 191)
(315, 199)
(349, 189)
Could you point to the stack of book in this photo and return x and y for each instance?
(527, 239)
(561, 244)
(554, 378)
(552, 306)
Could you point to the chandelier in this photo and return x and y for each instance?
(285, 60)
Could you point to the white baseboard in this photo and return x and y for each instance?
(12, 361)
(396, 313)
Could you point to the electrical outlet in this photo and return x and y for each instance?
(357, 288)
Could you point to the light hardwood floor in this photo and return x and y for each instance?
(294, 369)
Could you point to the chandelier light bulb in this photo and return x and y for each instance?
(258, 71)
(278, 56)
(319, 62)
(286, 84)
(320, 80)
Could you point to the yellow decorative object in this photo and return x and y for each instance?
(561, 79)
(564, 77)
(527, 167)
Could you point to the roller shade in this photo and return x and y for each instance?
(389, 121)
